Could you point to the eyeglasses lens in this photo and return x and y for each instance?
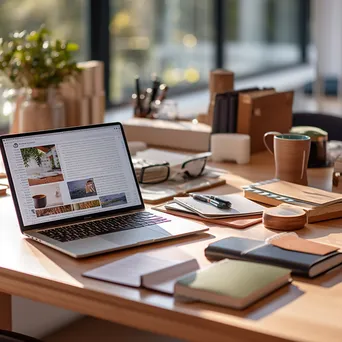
(155, 174)
(195, 167)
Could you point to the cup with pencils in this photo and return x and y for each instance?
(147, 102)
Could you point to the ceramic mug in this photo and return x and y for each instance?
(291, 155)
(39, 201)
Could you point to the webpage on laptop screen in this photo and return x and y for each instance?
(71, 173)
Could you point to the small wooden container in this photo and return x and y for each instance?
(284, 217)
(220, 81)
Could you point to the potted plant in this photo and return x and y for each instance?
(37, 65)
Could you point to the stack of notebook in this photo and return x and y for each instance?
(240, 207)
(305, 258)
(235, 284)
(320, 205)
(243, 212)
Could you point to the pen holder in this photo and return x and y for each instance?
(138, 111)
(163, 110)
(149, 102)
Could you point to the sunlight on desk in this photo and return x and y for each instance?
(307, 311)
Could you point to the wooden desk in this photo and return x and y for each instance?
(308, 310)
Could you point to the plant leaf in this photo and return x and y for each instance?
(43, 31)
(34, 60)
(72, 47)
(33, 36)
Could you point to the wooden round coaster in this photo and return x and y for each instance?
(284, 217)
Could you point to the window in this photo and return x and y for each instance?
(66, 19)
(170, 38)
(179, 40)
(261, 34)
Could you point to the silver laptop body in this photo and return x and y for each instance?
(75, 190)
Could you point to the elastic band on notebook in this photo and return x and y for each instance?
(268, 241)
(278, 236)
(253, 249)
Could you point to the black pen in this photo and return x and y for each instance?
(155, 87)
(219, 199)
(147, 101)
(137, 91)
(205, 199)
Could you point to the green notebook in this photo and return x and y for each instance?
(232, 283)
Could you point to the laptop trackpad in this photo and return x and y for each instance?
(134, 236)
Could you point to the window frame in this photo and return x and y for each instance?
(101, 43)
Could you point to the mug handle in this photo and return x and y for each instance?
(269, 143)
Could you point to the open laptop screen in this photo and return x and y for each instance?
(66, 174)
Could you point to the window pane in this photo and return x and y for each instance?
(172, 38)
(261, 34)
(66, 19)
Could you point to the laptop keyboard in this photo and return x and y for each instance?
(104, 226)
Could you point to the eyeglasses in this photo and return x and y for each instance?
(158, 173)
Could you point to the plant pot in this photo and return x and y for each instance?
(42, 109)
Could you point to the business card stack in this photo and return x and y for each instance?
(85, 98)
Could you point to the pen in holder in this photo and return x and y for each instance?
(147, 102)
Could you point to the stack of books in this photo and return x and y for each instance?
(243, 213)
(230, 283)
(85, 98)
(320, 205)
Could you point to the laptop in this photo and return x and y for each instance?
(75, 190)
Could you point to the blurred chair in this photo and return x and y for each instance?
(9, 336)
(329, 123)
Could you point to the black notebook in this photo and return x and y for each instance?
(303, 264)
(226, 109)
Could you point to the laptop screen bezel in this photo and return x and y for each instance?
(66, 221)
